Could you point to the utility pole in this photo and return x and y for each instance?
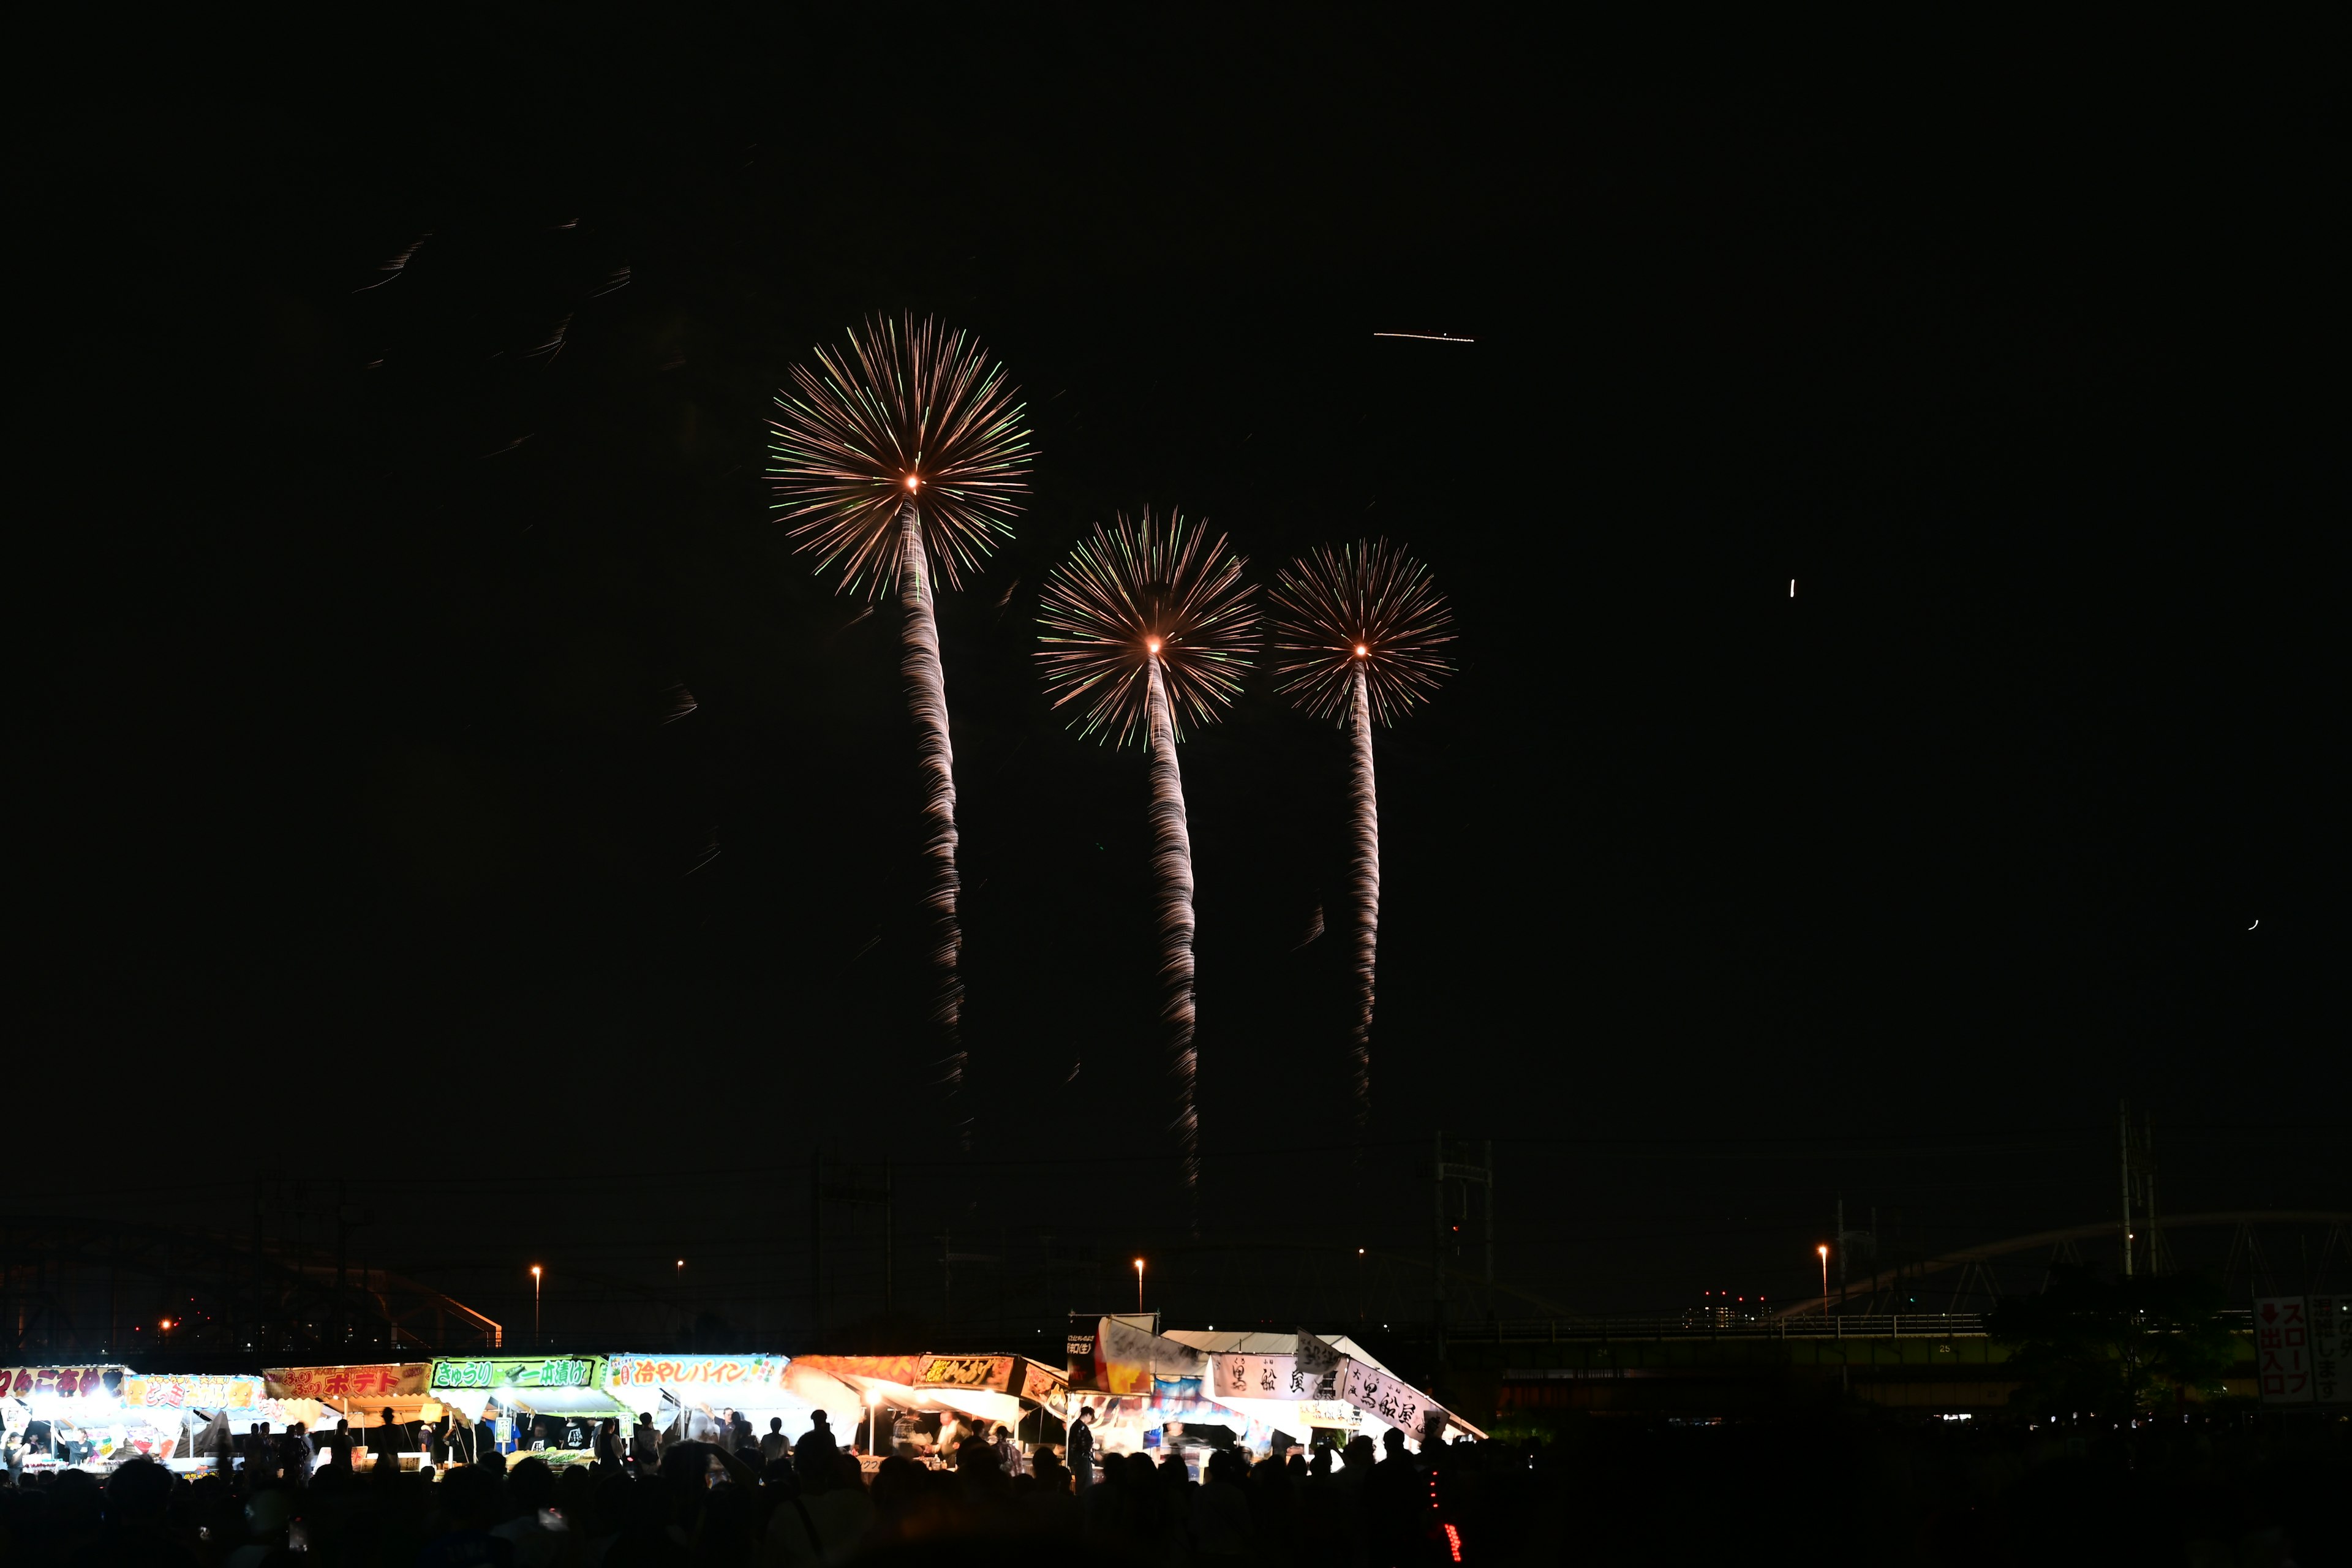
(1468, 1175)
(343, 1262)
(2123, 1147)
(1490, 1226)
(816, 1245)
(1437, 1244)
(1841, 1251)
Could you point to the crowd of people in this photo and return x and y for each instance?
(749, 1501)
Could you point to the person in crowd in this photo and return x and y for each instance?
(774, 1444)
(738, 1432)
(296, 1455)
(264, 1459)
(1221, 1513)
(608, 1442)
(1008, 1452)
(339, 1447)
(1082, 1452)
(12, 1450)
(529, 1493)
(644, 1443)
(815, 1441)
(1397, 1499)
(384, 1441)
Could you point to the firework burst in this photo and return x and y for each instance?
(1358, 634)
(903, 460)
(1144, 628)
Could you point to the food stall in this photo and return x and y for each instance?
(359, 1394)
(1152, 1390)
(688, 1396)
(180, 1405)
(515, 1394)
(72, 1416)
(858, 1393)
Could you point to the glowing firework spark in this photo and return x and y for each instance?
(1356, 634)
(903, 459)
(1145, 626)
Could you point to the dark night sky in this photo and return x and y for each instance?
(357, 844)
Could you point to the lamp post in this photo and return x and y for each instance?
(1138, 1286)
(1824, 1250)
(535, 1334)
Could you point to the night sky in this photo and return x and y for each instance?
(357, 846)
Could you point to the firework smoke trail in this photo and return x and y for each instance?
(1145, 626)
(1365, 800)
(926, 701)
(1171, 858)
(1360, 629)
(902, 462)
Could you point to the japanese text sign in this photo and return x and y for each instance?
(2283, 1349)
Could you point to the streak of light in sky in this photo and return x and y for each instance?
(1428, 337)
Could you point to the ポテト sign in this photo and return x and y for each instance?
(385, 1380)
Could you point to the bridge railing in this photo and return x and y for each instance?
(1704, 1326)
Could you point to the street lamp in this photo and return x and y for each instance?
(1138, 1286)
(1824, 1250)
(534, 1308)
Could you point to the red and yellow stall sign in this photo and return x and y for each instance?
(389, 1380)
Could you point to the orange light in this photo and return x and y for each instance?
(1823, 1249)
(910, 481)
(535, 1271)
(1151, 645)
(1362, 650)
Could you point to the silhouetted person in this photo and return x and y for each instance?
(775, 1446)
(383, 1442)
(1399, 1501)
(644, 1445)
(816, 1444)
(1082, 1452)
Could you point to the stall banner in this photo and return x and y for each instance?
(1111, 1355)
(2331, 1330)
(695, 1370)
(906, 1369)
(1320, 1367)
(1256, 1375)
(1045, 1386)
(66, 1382)
(389, 1380)
(195, 1391)
(990, 1371)
(2283, 1349)
(1387, 1395)
(517, 1372)
(1235, 1375)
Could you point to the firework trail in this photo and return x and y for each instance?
(1358, 631)
(1172, 861)
(902, 460)
(1146, 626)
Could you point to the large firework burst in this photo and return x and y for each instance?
(1146, 626)
(1356, 636)
(912, 421)
(902, 460)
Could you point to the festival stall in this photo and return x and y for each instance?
(689, 1396)
(514, 1394)
(72, 1416)
(359, 1394)
(1186, 1389)
(182, 1404)
(860, 1394)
